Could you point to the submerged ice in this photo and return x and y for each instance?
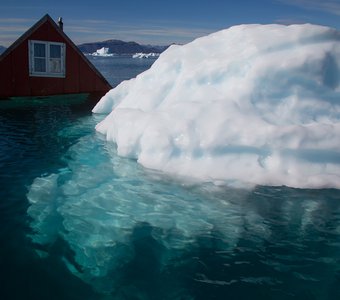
(101, 204)
(253, 103)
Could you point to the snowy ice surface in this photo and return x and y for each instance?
(102, 52)
(253, 103)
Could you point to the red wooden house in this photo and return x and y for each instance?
(44, 61)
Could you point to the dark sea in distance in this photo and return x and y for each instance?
(266, 243)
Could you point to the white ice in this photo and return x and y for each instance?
(253, 103)
(145, 55)
(102, 52)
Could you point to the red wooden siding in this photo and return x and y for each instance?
(81, 76)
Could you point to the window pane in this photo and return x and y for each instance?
(55, 65)
(39, 50)
(46, 59)
(55, 51)
(39, 65)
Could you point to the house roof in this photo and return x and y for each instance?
(35, 27)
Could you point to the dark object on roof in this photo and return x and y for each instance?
(44, 61)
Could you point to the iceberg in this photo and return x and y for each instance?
(253, 104)
(102, 52)
(248, 105)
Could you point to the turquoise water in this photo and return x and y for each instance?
(79, 222)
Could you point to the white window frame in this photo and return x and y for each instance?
(49, 72)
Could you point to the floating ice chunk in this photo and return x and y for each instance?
(145, 55)
(102, 52)
(252, 103)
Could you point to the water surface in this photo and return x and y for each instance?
(79, 222)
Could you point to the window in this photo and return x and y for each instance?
(46, 59)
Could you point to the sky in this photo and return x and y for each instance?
(159, 22)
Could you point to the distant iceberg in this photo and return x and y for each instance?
(258, 104)
(102, 52)
(145, 55)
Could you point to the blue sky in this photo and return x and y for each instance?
(159, 22)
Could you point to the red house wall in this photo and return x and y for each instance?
(14, 72)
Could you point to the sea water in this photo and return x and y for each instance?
(159, 237)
